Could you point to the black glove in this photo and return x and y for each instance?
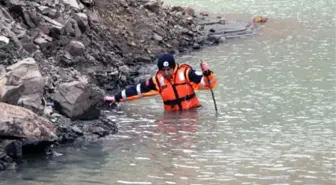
(207, 73)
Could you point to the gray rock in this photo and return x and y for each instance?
(21, 127)
(22, 123)
(143, 59)
(14, 3)
(123, 78)
(77, 100)
(196, 46)
(93, 18)
(28, 19)
(72, 28)
(76, 129)
(88, 2)
(23, 83)
(53, 22)
(3, 41)
(11, 147)
(31, 96)
(73, 3)
(124, 69)
(50, 12)
(76, 48)
(43, 40)
(29, 46)
(2, 71)
(153, 6)
(98, 131)
(157, 37)
(82, 21)
(19, 31)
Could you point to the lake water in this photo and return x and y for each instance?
(276, 122)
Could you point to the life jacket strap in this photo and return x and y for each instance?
(179, 100)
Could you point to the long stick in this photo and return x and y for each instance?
(212, 93)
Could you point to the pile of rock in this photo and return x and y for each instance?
(57, 57)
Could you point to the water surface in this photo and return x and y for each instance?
(276, 122)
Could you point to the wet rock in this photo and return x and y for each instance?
(12, 148)
(69, 131)
(77, 130)
(78, 100)
(21, 123)
(98, 131)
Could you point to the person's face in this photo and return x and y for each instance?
(167, 72)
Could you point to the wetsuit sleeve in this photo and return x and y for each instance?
(147, 88)
(200, 80)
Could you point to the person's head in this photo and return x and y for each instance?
(166, 64)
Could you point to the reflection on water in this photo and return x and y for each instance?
(276, 123)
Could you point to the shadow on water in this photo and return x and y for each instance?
(71, 158)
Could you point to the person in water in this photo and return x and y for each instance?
(175, 83)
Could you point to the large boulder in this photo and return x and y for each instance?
(19, 122)
(19, 128)
(23, 85)
(78, 100)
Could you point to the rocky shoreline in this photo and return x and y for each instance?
(59, 57)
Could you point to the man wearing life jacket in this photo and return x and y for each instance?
(176, 85)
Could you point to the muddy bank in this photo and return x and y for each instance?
(59, 57)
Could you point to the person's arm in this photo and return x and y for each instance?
(199, 80)
(147, 88)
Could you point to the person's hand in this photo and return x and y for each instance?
(110, 99)
(204, 66)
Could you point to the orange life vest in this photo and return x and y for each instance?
(178, 93)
